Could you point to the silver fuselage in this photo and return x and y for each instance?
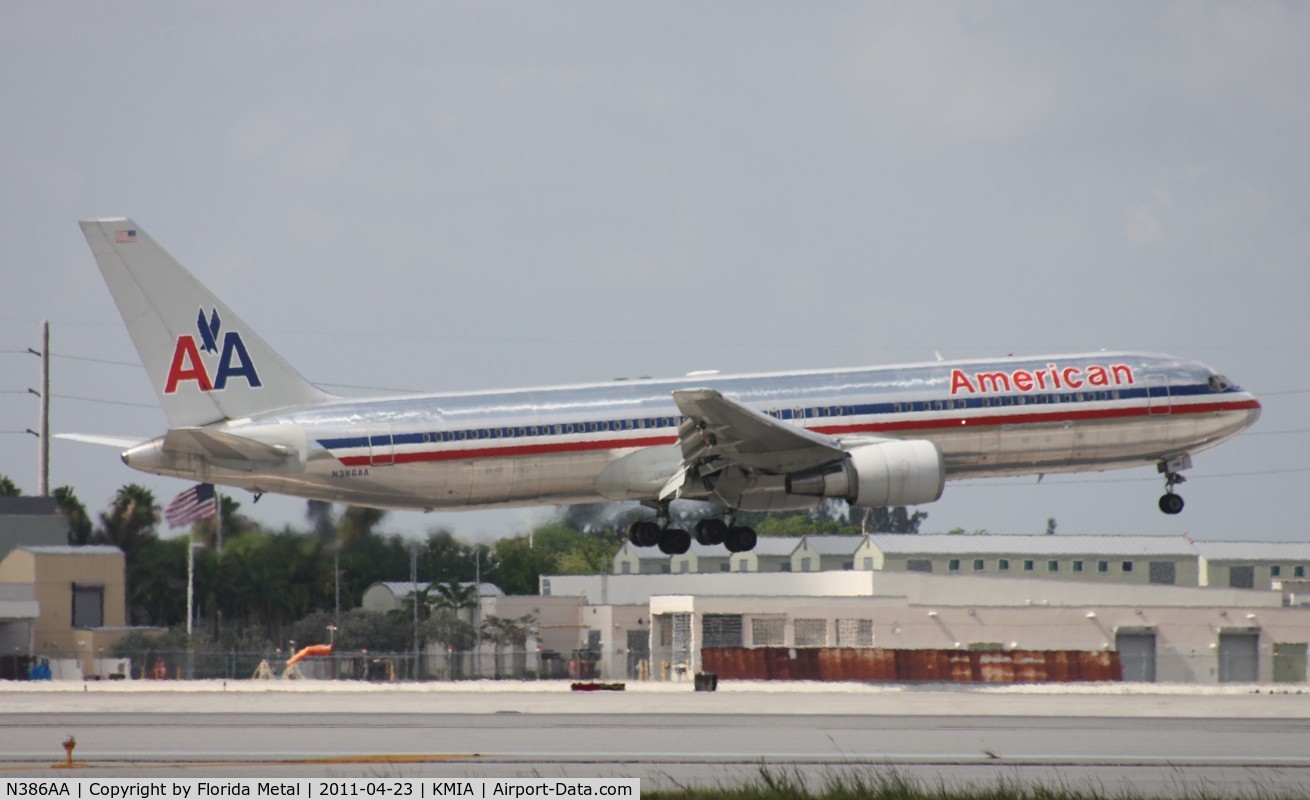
(1013, 416)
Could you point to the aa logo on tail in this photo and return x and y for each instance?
(189, 365)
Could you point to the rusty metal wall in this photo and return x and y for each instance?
(864, 664)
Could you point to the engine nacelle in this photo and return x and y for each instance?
(900, 473)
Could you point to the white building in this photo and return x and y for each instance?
(1167, 609)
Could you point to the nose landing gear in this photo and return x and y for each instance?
(1171, 503)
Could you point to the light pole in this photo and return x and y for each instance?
(413, 580)
(332, 643)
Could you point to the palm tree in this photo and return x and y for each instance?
(79, 524)
(455, 596)
(502, 631)
(130, 520)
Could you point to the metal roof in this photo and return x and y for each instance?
(72, 550)
(834, 545)
(776, 545)
(1254, 551)
(1030, 544)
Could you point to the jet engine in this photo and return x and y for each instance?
(895, 473)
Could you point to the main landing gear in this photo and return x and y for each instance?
(737, 538)
(676, 541)
(1171, 503)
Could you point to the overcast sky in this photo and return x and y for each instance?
(482, 195)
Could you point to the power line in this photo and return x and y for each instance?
(103, 401)
(136, 364)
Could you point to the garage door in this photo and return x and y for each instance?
(1239, 657)
(1137, 655)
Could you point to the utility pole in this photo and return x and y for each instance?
(43, 428)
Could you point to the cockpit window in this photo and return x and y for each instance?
(1218, 383)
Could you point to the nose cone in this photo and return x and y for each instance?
(147, 456)
(1253, 412)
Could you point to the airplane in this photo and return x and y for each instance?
(880, 436)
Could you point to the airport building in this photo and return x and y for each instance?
(1140, 608)
(57, 602)
(1154, 560)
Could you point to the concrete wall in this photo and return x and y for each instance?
(638, 589)
(30, 522)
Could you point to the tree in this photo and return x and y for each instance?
(506, 631)
(79, 524)
(420, 597)
(234, 524)
(130, 521)
(517, 567)
(1050, 526)
(445, 558)
(454, 596)
(321, 519)
(358, 523)
(888, 520)
(8, 488)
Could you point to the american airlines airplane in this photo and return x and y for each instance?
(874, 436)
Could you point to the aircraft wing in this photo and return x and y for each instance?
(719, 433)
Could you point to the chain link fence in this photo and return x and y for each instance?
(433, 664)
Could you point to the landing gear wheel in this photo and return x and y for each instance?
(740, 539)
(1171, 503)
(644, 533)
(711, 531)
(674, 541)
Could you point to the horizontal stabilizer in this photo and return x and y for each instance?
(120, 442)
(219, 446)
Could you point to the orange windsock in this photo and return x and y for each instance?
(312, 650)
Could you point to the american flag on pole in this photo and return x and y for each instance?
(193, 505)
(124, 237)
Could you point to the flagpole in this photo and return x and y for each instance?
(190, 594)
(218, 512)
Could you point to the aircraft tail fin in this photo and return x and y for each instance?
(205, 363)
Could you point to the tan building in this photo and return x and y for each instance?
(81, 596)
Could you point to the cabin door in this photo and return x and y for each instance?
(1157, 394)
(381, 447)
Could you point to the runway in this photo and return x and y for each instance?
(1148, 743)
